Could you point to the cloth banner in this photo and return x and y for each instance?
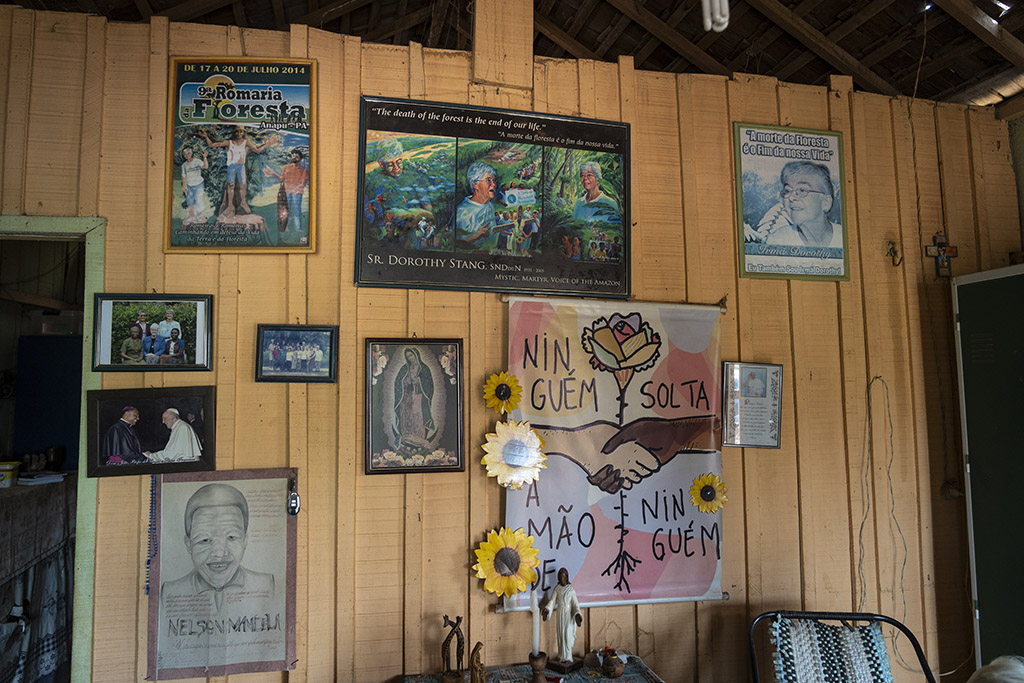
(627, 399)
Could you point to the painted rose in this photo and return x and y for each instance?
(623, 343)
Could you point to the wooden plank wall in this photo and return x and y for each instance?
(848, 514)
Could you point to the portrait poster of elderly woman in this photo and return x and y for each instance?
(791, 210)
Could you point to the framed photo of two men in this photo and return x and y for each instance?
(463, 197)
(791, 203)
(150, 431)
(240, 148)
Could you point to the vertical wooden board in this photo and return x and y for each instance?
(893, 455)
(771, 500)
(55, 126)
(563, 87)
(996, 189)
(659, 246)
(705, 148)
(255, 42)
(816, 373)
(957, 197)
(503, 42)
(19, 82)
(6, 38)
(319, 480)
(123, 171)
(929, 310)
(350, 366)
(156, 195)
(92, 117)
(197, 39)
(386, 70)
(446, 75)
(379, 640)
(606, 92)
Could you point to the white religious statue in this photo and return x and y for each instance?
(563, 601)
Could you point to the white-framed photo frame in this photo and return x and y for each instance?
(751, 405)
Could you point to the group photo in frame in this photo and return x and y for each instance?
(149, 431)
(791, 203)
(414, 406)
(296, 353)
(240, 172)
(152, 332)
(463, 197)
(751, 405)
(222, 583)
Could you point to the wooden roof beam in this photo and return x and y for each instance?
(561, 38)
(768, 36)
(439, 9)
(389, 30)
(144, 9)
(652, 43)
(278, 7)
(986, 28)
(190, 9)
(858, 19)
(239, 12)
(612, 34)
(882, 49)
(822, 46)
(403, 7)
(331, 11)
(670, 36)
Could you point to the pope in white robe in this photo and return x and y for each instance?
(182, 446)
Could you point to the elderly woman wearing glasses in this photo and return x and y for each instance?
(593, 204)
(801, 218)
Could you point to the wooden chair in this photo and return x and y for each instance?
(806, 649)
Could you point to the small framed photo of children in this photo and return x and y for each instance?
(239, 169)
(150, 431)
(791, 203)
(152, 332)
(296, 353)
(414, 406)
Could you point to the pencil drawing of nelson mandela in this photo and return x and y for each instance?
(220, 613)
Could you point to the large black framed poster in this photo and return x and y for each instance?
(463, 197)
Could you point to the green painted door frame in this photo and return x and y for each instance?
(91, 231)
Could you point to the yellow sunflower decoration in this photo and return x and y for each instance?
(502, 392)
(506, 562)
(708, 493)
(513, 454)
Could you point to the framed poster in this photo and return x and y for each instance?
(625, 396)
(462, 197)
(414, 406)
(296, 353)
(222, 596)
(752, 405)
(150, 431)
(240, 172)
(791, 203)
(152, 332)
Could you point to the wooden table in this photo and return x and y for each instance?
(636, 671)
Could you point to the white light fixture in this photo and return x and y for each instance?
(716, 15)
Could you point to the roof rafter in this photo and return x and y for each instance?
(986, 28)
(331, 11)
(561, 38)
(825, 48)
(190, 9)
(838, 33)
(389, 30)
(670, 36)
(769, 35)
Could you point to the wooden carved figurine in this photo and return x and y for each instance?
(477, 672)
(460, 649)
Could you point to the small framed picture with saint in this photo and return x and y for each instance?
(296, 353)
(752, 405)
(414, 406)
(152, 332)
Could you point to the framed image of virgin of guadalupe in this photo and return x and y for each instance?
(414, 406)
(240, 146)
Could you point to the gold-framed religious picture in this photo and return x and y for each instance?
(240, 146)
